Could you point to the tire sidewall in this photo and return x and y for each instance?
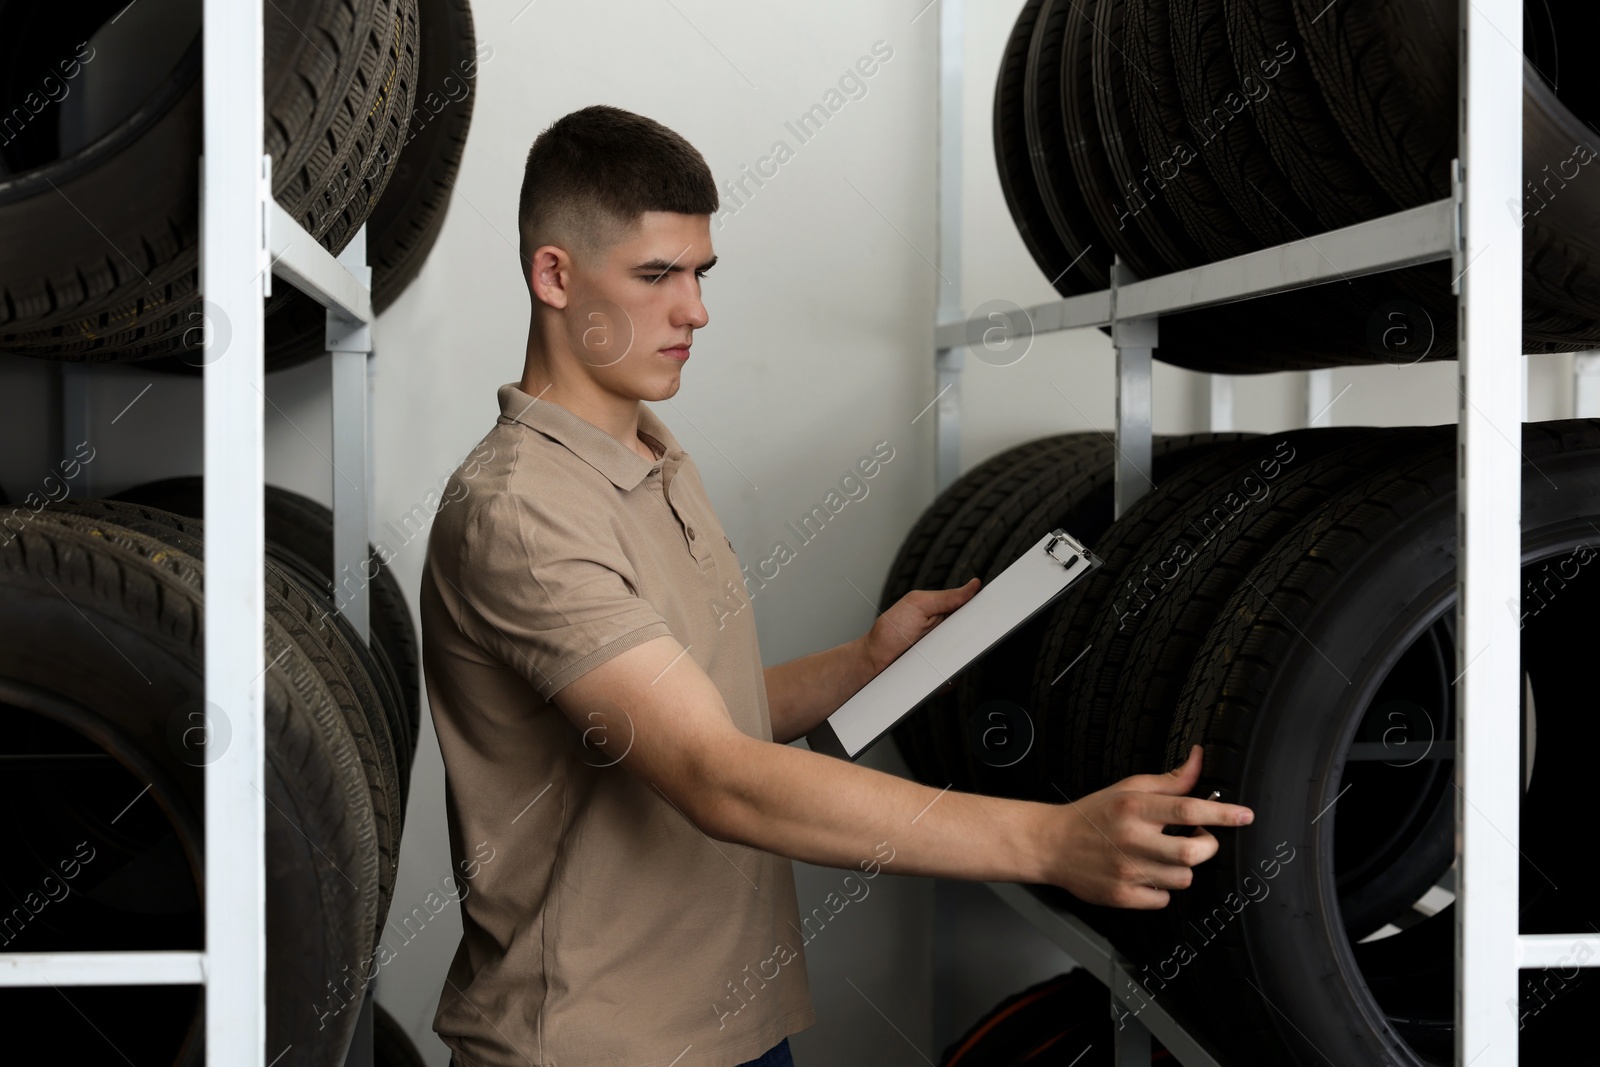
(1407, 578)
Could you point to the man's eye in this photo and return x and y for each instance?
(653, 278)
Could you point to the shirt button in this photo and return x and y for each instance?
(691, 533)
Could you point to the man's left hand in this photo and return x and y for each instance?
(909, 618)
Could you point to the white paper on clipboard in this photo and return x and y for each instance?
(1015, 595)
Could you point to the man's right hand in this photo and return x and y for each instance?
(1109, 847)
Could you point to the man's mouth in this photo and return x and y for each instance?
(678, 352)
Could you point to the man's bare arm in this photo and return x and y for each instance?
(1105, 848)
(803, 692)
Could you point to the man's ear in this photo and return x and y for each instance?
(549, 275)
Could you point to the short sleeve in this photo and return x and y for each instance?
(551, 595)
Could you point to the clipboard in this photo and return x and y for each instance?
(1015, 595)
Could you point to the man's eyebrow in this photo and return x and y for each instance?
(661, 266)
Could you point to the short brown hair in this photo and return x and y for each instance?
(592, 173)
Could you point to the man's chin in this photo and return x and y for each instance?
(670, 389)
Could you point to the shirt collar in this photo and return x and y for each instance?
(625, 467)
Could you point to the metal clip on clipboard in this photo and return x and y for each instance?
(1015, 595)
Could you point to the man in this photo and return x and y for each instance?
(616, 758)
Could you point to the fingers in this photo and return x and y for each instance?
(1176, 782)
(944, 601)
(1156, 875)
(1141, 898)
(1192, 811)
(1183, 852)
(1144, 886)
(1130, 862)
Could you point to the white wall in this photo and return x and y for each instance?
(819, 345)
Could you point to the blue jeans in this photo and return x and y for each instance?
(776, 1056)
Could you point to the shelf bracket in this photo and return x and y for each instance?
(349, 344)
(1586, 385)
(1135, 341)
(1130, 1041)
(1219, 402)
(1458, 232)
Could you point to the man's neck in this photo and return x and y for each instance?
(617, 417)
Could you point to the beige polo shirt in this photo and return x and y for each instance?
(601, 928)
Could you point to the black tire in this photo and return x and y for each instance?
(1031, 147)
(1097, 182)
(1061, 1020)
(1295, 124)
(992, 702)
(391, 1045)
(1141, 192)
(307, 530)
(1325, 171)
(1118, 703)
(407, 219)
(1387, 72)
(1214, 340)
(328, 642)
(338, 79)
(1083, 649)
(68, 595)
(1185, 214)
(1156, 105)
(303, 529)
(1013, 161)
(1230, 145)
(1148, 662)
(1388, 78)
(1052, 151)
(88, 791)
(1349, 591)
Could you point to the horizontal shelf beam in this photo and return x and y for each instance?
(1086, 309)
(1419, 235)
(1423, 234)
(299, 260)
(1093, 952)
(101, 968)
(1558, 951)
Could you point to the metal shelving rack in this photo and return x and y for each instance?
(245, 238)
(1482, 239)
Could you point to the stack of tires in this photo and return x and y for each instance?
(367, 105)
(108, 732)
(1288, 602)
(1172, 133)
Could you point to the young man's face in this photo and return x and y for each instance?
(632, 309)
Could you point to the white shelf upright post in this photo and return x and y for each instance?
(949, 359)
(349, 342)
(1218, 392)
(235, 191)
(1586, 385)
(1135, 340)
(1484, 240)
(245, 238)
(1488, 272)
(1319, 397)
